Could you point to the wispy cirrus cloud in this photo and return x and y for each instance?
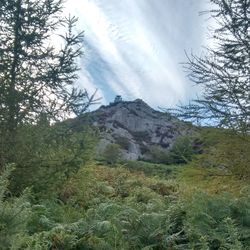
(134, 48)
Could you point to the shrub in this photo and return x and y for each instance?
(112, 153)
(123, 142)
(182, 150)
(159, 155)
(46, 156)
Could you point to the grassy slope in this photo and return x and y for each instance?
(127, 209)
(103, 207)
(139, 205)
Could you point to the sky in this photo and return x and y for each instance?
(134, 48)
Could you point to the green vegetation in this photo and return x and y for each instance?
(45, 156)
(184, 149)
(113, 208)
(55, 195)
(112, 153)
(132, 205)
(226, 150)
(14, 214)
(123, 142)
(223, 69)
(59, 197)
(37, 79)
(152, 169)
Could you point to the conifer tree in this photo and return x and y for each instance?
(35, 76)
(38, 68)
(223, 71)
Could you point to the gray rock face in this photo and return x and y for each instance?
(136, 127)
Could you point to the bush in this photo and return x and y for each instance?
(123, 142)
(46, 156)
(112, 208)
(159, 155)
(112, 153)
(221, 221)
(182, 151)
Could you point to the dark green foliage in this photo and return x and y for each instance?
(36, 69)
(145, 219)
(224, 223)
(112, 208)
(181, 152)
(112, 153)
(36, 78)
(123, 142)
(14, 213)
(159, 155)
(223, 70)
(152, 169)
(46, 156)
(207, 222)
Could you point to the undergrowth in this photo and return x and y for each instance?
(114, 208)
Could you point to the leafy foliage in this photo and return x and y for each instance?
(226, 150)
(14, 213)
(123, 142)
(117, 209)
(26, 31)
(182, 151)
(37, 79)
(223, 70)
(152, 169)
(102, 207)
(46, 156)
(112, 153)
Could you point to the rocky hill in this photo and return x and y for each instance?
(136, 127)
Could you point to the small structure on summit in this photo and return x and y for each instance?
(118, 99)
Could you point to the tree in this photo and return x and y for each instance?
(182, 151)
(46, 156)
(112, 153)
(35, 76)
(223, 71)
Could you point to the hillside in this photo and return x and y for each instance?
(103, 207)
(136, 128)
(124, 176)
(63, 198)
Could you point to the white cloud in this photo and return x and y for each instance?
(140, 44)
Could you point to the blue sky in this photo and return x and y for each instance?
(134, 47)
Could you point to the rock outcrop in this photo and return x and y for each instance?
(137, 128)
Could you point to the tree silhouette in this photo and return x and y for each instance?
(223, 71)
(37, 77)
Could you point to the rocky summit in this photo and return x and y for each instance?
(137, 128)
